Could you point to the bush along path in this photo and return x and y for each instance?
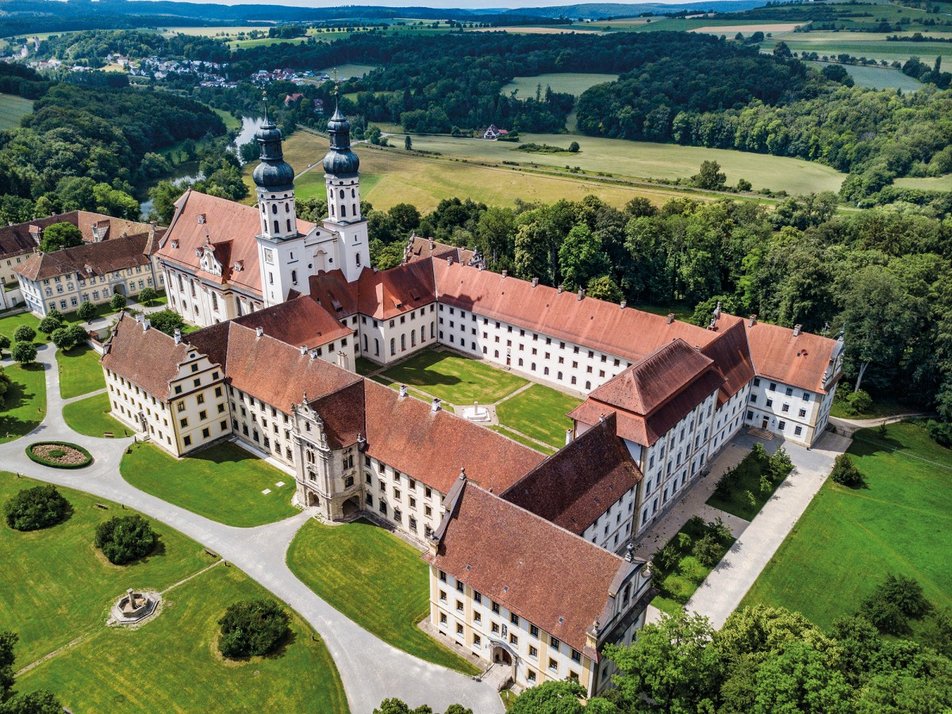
(260, 552)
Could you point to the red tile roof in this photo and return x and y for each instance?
(623, 332)
(541, 572)
(343, 415)
(333, 292)
(434, 446)
(228, 226)
(731, 355)
(300, 321)
(422, 248)
(579, 483)
(268, 369)
(379, 294)
(89, 259)
(148, 358)
(798, 360)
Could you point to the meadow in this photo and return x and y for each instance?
(573, 83)
(861, 44)
(877, 77)
(12, 110)
(930, 183)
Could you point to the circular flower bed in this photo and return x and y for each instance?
(59, 454)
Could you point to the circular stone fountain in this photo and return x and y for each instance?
(477, 413)
(133, 607)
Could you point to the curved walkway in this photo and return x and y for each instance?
(370, 669)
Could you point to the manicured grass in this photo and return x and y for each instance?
(10, 323)
(90, 416)
(539, 412)
(365, 366)
(422, 396)
(23, 407)
(348, 70)
(677, 585)
(515, 436)
(373, 578)
(55, 585)
(573, 83)
(457, 380)
(79, 371)
(848, 540)
(737, 502)
(12, 110)
(223, 482)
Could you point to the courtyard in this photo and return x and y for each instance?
(222, 482)
(65, 646)
(531, 413)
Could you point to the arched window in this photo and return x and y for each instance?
(358, 259)
(287, 207)
(294, 277)
(353, 193)
(376, 346)
(274, 208)
(342, 193)
(343, 211)
(365, 343)
(412, 338)
(354, 206)
(289, 225)
(403, 343)
(393, 346)
(276, 229)
(332, 209)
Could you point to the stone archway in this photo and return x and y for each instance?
(351, 507)
(501, 655)
(312, 499)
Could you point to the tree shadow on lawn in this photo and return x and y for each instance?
(223, 454)
(17, 396)
(421, 377)
(869, 443)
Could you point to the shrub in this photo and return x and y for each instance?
(760, 455)
(53, 457)
(86, 311)
(148, 295)
(684, 541)
(118, 301)
(124, 539)
(24, 333)
(906, 594)
(167, 321)
(846, 473)
(252, 628)
(765, 485)
(780, 465)
(35, 508)
(750, 498)
(721, 531)
(708, 550)
(744, 185)
(24, 352)
(665, 559)
(858, 402)
(4, 342)
(940, 432)
(38, 702)
(574, 147)
(886, 616)
(50, 323)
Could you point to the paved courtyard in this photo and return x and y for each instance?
(371, 670)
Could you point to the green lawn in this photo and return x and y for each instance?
(848, 540)
(877, 77)
(573, 83)
(24, 404)
(79, 371)
(677, 585)
(55, 588)
(223, 482)
(365, 366)
(373, 578)
(748, 479)
(539, 412)
(10, 323)
(90, 416)
(455, 379)
(12, 110)
(515, 436)
(931, 183)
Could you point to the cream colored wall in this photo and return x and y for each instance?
(127, 401)
(198, 403)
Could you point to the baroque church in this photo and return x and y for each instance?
(287, 306)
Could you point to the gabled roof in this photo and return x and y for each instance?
(576, 485)
(798, 360)
(22, 237)
(731, 355)
(434, 446)
(596, 324)
(268, 369)
(300, 321)
(343, 415)
(379, 294)
(553, 578)
(88, 259)
(333, 292)
(147, 357)
(228, 226)
(422, 248)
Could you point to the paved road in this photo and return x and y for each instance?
(370, 669)
(725, 587)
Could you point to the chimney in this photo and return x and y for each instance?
(303, 349)
(146, 324)
(796, 330)
(717, 310)
(560, 288)
(505, 273)
(569, 436)
(403, 391)
(177, 336)
(432, 244)
(139, 317)
(449, 260)
(535, 282)
(313, 354)
(581, 293)
(361, 442)
(623, 304)
(670, 318)
(259, 331)
(462, 472)
(753, 319)
(435, 406)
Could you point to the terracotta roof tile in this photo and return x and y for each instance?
(88, 259)
(549, 576)
(433, 446)
(798, 360)
(147, 358)
(422, 248)
(580, 482)
(731, 355)
(299, 321)
(332, 291)
(343, 415)
(388, 293)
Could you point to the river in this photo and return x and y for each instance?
(189, 173)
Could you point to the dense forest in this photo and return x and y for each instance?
(882, 275)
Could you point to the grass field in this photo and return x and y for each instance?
(12, 110)
(346, 565)
(519, 438)
(10, 323)
(860, 44)
(56, 589)
(848, 540)
(932, 183)
(223, 482)
(539, 412)
(877, 77)
(24, 404)
(639, 160)
(457, 380)
(79, 371)
(573, 83)
(348, 70)
(90, 416)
